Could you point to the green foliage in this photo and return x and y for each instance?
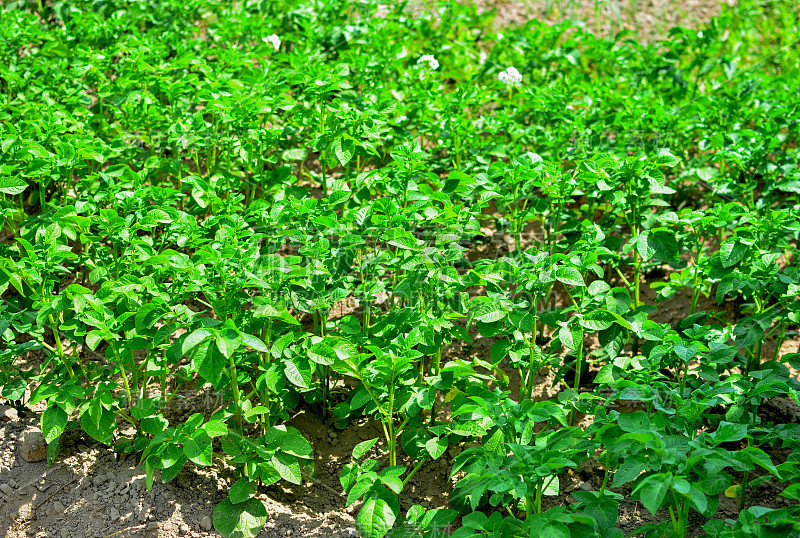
(345, 225)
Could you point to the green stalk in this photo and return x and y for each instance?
(413, 471)
(531, 372)
(606, 473)
(434, 412)
(41, 196)
(324, 184)
(392, 440)
(265, 399)
(684, 519)
(695, 291)
(437, 361)
(683, 377)
(60, 348)
(124, 375)
(779, 342)
(163, 377)
(579, 367)
(675, 524)
(755, 354)
(235, 387)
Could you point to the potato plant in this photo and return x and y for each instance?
(301, 206)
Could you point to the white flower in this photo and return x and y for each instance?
(510, 77)
(433, 63)
(274, 40)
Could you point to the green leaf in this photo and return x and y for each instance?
(295, 154)
(791, 492)
(597, 320)
(242, 520)
(635, 422)
(194, 339)
(102, 428)
(298, 372)
(436, 446)
(727, 432)
(343, 150)
(437, 518)
(14, 389)
(629, 470)
(169, 473)
(658, 244)
(293, 443)
(652, 491)
(731, 252)
(12, 185)
(52, 451)
(322, 353)
(254, 342)
(363, 485)
(54, 420)
(758, 457)
(228, 341)
(375, 519)
(551, 486)
(665, 158)
(198, 448)
(488, 312)
(569, 275)
(211, 366)
(572, 337)
(215, 428)
(288, 467)
(242, 490)
(698, 499)
(362, 448)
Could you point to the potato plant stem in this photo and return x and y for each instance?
(124, 376)
(60, 347)
(606, 473)
(236, 396)
(578, 369)
(414, 471)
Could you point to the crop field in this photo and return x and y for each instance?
(398, 269)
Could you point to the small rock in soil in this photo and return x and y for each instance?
(143, 513)
(57, 509)
(5, 488)
(114, 514)
(205, 523)
(32, 446)
(8, 414)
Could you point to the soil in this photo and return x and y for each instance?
(92, 492)
(648, 20)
